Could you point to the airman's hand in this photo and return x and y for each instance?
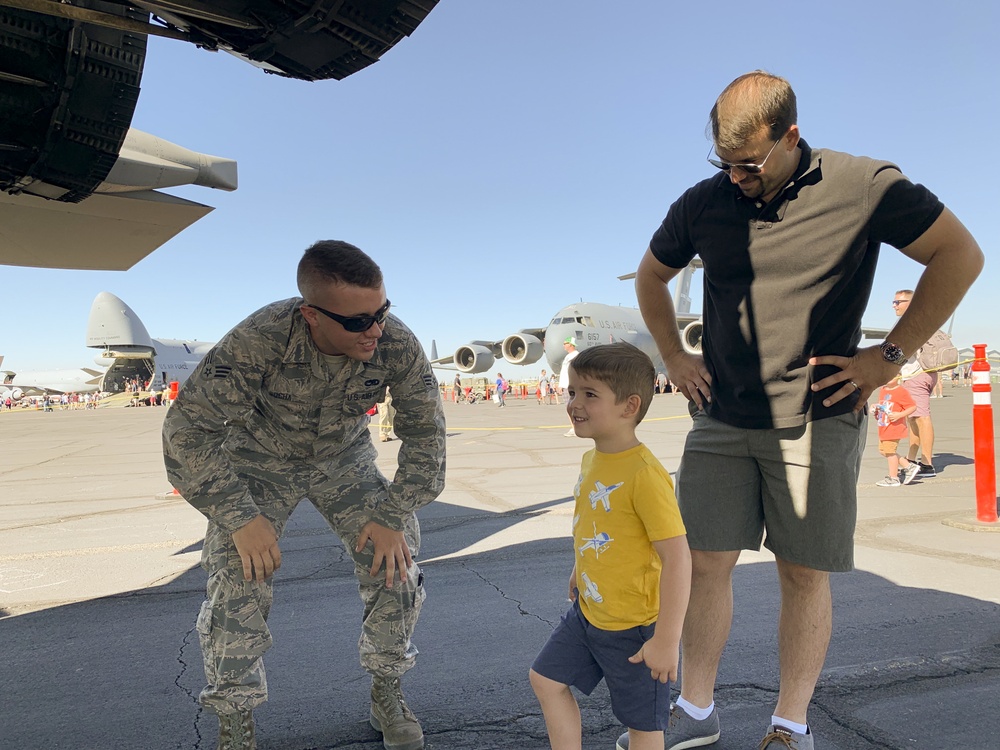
(864, 372)
(689, 374)
(257, 543)
(390, 548)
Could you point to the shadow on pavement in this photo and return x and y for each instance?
(908, 667)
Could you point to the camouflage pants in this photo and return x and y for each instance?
(232, 624)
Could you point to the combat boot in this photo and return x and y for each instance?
(236, 731)
(393, 718)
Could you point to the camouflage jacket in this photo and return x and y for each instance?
(265, 389)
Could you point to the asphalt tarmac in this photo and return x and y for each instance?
(100, 585)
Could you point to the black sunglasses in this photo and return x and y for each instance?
(357, 323)
(726, 166)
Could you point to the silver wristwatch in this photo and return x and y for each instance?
(892, 353)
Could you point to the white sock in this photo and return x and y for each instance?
(779, 722)
(698, 714)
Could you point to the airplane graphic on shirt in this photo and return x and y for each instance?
(590, 589)
(601, 495)
(598, 542)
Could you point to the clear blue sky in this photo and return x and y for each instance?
(513, 157)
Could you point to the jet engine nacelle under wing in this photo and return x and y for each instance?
(15, 394)
(691, 337)
(522, 349)
(473, 358)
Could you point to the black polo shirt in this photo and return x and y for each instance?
(790, 279)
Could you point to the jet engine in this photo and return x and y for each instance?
(691, 337)
(472, 358)
(16, 394)
(522, 349)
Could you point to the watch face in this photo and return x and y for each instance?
(891, 353)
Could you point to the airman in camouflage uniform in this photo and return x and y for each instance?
(277, 412)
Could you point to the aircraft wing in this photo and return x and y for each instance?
(109, 232)
(874, 333)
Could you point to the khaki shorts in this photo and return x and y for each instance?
(888, 447)
(799, 484)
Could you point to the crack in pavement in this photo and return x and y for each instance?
(185, 642)
(520, 607)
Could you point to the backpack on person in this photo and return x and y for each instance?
(939, 353)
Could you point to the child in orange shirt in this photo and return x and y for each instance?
(894, 405)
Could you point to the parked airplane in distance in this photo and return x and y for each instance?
(590, 324)
(20, 384)
(127, 352)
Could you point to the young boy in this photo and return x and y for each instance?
(894, 405)
(632, 576)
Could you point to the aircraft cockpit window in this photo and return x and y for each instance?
(586, 320)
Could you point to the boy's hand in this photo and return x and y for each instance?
(573, 591)
(661, 659)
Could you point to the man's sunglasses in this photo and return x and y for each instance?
(898, 302)
(726, 166)
(357, 323)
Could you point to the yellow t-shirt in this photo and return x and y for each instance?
(624, 502)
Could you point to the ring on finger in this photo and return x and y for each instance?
(856, 386)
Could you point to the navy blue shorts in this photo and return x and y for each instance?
(580, 655)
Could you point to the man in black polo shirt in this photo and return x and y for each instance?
(789, 237)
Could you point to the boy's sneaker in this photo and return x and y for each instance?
(908, 474)
(779, 738)
(926, 471)
(888, 482)
(684, 732)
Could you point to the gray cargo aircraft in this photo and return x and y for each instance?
(127, 352)
(590, 324)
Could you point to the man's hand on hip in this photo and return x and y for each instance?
(689, 374)
(390, 548)
(864, 372)
(257, 543)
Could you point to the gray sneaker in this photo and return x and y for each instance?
(779, 738)
(908, 474)
(684, 732)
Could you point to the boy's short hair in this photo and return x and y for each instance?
(624, 368)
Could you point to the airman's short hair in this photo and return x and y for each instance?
(625, 369)
(336, 262)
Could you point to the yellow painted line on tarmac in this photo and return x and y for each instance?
(547, 426)
(488, 429)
